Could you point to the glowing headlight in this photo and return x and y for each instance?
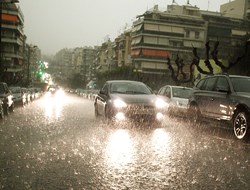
(119, 103)
(159, 103)
(48, 94)
(60, 93)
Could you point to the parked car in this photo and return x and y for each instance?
(27, 94)
(18, 96)
(6, 96)
(177, 98)
(223, 97)
(125, 99)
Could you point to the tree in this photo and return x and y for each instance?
(179, 76)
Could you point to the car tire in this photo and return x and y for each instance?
(241, 124)
(108, 114)
(96, 111)
(11, 108)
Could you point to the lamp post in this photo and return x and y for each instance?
(1, 45)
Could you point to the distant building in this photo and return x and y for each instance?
(12, 42)
(236, 9)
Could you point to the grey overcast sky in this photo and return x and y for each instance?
(56, 24)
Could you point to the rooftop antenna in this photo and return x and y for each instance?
(208, 4)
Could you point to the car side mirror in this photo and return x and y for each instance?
(103, 91)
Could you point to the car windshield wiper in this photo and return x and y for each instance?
(117, 92)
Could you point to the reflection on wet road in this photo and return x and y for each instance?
(59, 144)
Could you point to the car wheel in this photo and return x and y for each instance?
(108, 113)
(194, 114)
(6, 110)
(241, 125)
(96, 111)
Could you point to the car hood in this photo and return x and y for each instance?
(135, 98)
(180, 101)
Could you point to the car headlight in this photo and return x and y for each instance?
(118, 103)
(48, 94)
(159, 103)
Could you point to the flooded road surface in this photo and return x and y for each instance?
(59, 144)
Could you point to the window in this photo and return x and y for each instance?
(187, 33)
(200, 83)
(222, 83)
(197, 35)
(209, 84)
(162, 90)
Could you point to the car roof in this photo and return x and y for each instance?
(128, 81)
(174, 86)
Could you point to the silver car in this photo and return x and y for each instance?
(223, 97)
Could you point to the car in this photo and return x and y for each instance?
(18, 96)
(27, 94)
(31, 91)
(54, 91)
(7, 98)
(177, 98)
(128, 100)
(223, 97)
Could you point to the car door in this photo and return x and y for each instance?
(204, 96)
(222, 103)
(101, 99)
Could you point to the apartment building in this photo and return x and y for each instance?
(105, 57)
(12, 42)
(122, 49)
(88, 68)
(236, 9)
(157, 35)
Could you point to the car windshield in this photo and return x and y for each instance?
(241, 84)
(181, 92)
(129, 88)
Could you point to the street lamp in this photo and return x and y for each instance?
(1, 45)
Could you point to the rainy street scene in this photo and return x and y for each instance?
(53, 144)
(128, 95)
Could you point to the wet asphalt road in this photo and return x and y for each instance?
(53, 144)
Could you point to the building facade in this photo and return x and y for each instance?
(157, 35)
(12, 43)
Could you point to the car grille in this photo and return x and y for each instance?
(140, 110)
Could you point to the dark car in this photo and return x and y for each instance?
(223, 97)
(124, 99)
(7, 98)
